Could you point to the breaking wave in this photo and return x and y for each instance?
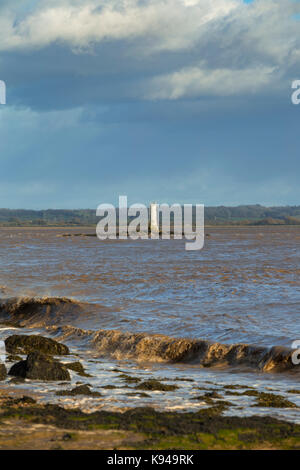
(56, 314)
(39, 312)
(159, 348)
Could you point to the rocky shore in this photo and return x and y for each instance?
(25, 423)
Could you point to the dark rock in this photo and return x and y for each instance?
(235, 387)
(212, 394)
(273, 401)
(25, 344)
(269, 399)
(80, 390)
(251, 393)
(139, 394)
(182, 379)
(19, 369)
(129, 379)
(154, 384)
(3, 372)
(77, 367)
(24, 400)
(38, 366)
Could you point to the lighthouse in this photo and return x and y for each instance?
(154, 224)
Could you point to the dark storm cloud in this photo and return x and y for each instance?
(186, 104)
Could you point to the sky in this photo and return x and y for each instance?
(178, 101)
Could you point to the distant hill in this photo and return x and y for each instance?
(221, 215)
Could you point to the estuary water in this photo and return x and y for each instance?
(151, 309)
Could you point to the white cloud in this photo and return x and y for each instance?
(194, 81)
(170, 24)
(194, 47)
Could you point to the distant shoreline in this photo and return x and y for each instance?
(217, 216)
(93, 227)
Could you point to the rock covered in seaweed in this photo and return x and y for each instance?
(80, 390)
(154, 384)
(25, 344)
(39, 366)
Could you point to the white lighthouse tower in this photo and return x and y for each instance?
(154, 224)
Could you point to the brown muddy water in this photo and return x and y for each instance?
(150, 309)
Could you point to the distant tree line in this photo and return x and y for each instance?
(221, 215)
(54, 217)
(253, 215)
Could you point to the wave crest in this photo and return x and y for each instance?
(57, 314)
(38, 312)
(162, 348)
